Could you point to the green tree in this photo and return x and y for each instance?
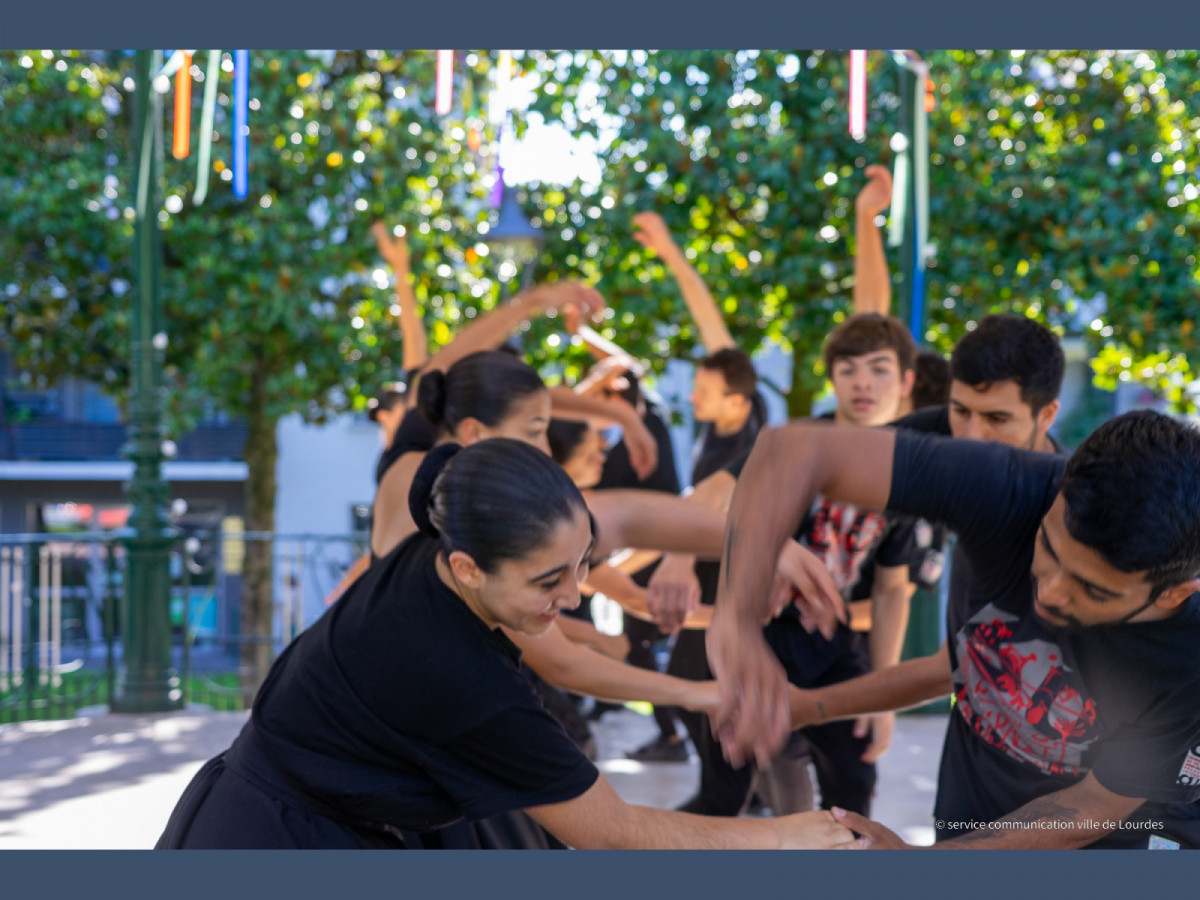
(1056, 178)
(274, 304)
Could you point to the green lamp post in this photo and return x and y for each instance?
(145, 682)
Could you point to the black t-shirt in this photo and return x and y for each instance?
(618, 473)
(1036, 708)
(713, 450)
(846, 537)
(713, 453)
(400, 706)
(414, 433)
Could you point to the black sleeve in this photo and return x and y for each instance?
(931, 420)
(1154, 757)
(518, 758)
(734, 466)
(987, 493)
(898, 546)
(665, 477)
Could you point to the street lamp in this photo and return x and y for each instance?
(145, 682)
(513, 238)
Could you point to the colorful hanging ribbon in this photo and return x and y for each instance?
(241, 106)
(445, 82)
(183, 108)
(211, 76)
(858, 94)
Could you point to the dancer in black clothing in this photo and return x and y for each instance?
(338, 754)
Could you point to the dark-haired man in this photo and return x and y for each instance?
(1005, 378)
(1077, 719)
(726, 401)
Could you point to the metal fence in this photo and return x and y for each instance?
(60, 613)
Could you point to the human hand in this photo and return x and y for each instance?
(573, 299)
(876, 194)
(393, 248)
(753, 718)
(652, 233)
(816, 830)
(877, 836)
(812, 589)
(880, 727)
(673, 591)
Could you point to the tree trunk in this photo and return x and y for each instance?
(257, 573)
(800, 397)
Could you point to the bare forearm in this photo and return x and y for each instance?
(486, 332)
(889, 619)
(786, 470)
(872, 282)
(586, 671)
(909, 683)
(412, 326)
(713, 330)
(655, 521)
(1063, 820)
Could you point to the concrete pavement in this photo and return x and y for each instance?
(109, 781)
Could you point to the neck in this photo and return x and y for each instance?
(731, 424)
(470, 598)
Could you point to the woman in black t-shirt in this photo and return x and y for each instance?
(403, 708)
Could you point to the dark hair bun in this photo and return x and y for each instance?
(431, 396)
(420, 495)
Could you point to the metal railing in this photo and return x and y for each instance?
(60, 613)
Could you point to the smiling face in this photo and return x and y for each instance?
(997, 413)
(869, 387)
(1074, 587)
(527, 594)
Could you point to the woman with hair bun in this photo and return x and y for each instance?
(403, 709)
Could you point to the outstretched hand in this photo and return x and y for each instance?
(753, 718)
(811, 588)
(877, 836)
(574, 300)
(672, 592)
(393, 248)
(652, 233)
(876, 194)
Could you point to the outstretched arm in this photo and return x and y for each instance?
(906, 684)
(872, 282)
(412, 327)
(487, 332)
(583, 670)
(788, 467)
(651, 232)
(1063, 820)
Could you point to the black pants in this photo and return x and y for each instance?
(722, 787)
(643, 636)
(810, 661)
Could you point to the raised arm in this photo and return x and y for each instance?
(788, 467)
(394, 250)
(487, 332)
(643, 449)
(872, 282)
(651, 232)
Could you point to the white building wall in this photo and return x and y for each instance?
(322, 473)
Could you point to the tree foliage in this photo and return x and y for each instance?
(1062, 186)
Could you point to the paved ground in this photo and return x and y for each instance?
(108, 782)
